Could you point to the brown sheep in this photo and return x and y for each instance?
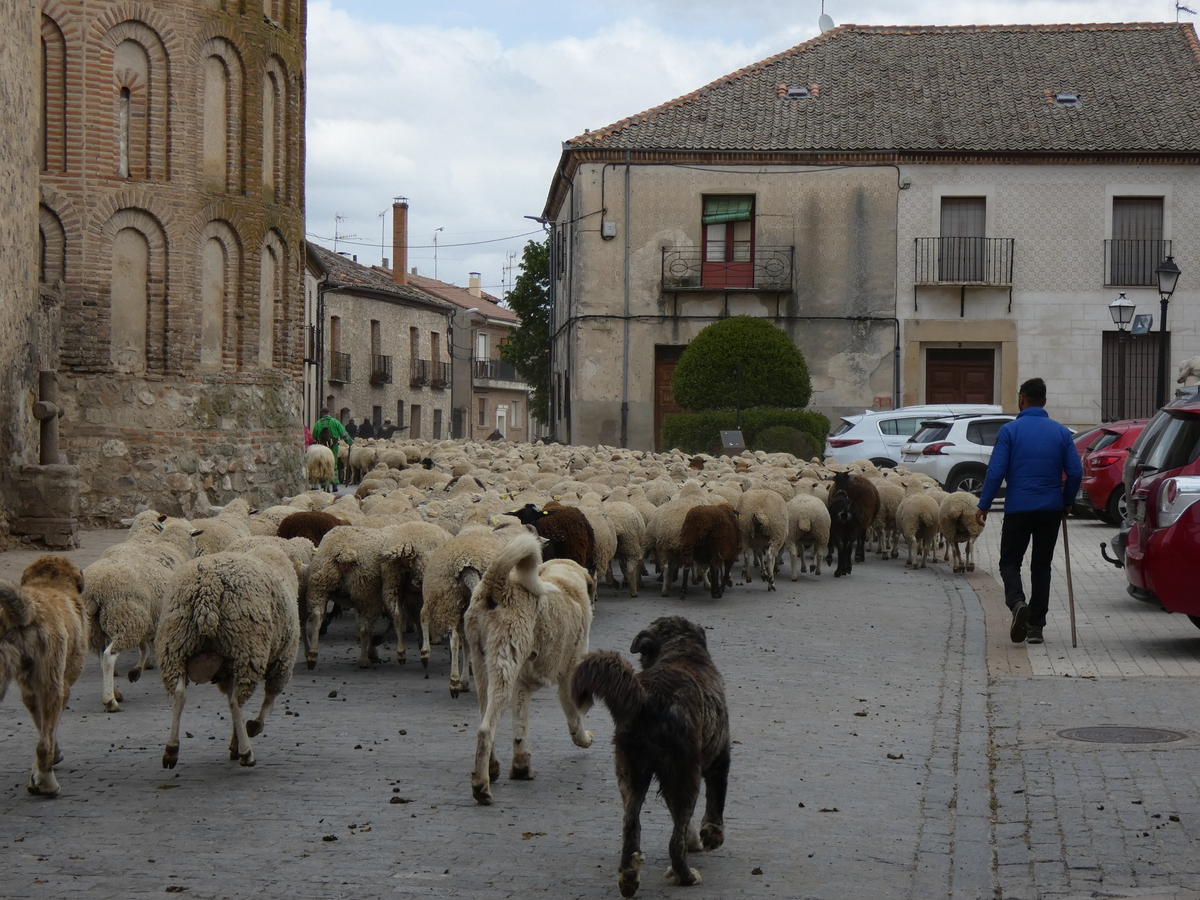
(311, 525)
(853, 505)
(711, 538)
(568, 531)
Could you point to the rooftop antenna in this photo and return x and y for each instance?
(825, 22)
(1179, 7)
(338, 217)
(382, 225)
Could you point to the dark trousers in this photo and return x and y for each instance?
(1015, 534)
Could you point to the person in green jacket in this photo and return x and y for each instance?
(329, 431)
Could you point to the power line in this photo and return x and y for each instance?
(343, 240)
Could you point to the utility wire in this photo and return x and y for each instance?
(341, 240)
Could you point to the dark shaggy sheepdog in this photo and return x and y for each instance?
(672, 724)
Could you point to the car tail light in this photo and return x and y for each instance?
(845, 442)
(1103, 460)
(1176, 495)
(937, 449)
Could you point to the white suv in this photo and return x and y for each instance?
(955, 450)
(878, 435)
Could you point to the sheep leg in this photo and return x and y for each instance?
(366, 651)
(970, 567)
(683, 591)
(818, 552)
(239, 743)
(522, 758)
(108, 666)
(455, 679)
(271, 690)
(144, 662)
(424, 638)
(768, 569)
(312, 631)
(171, 752)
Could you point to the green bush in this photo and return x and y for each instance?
(701, 432)
(774, 373)
(786, 439)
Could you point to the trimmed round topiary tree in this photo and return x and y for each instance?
(773, 370)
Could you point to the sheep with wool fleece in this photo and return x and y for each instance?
(527, 625)
(712, 541)
(763, 517)
(231, 619)
(808, 526)
(917, 520)
(885, 531)
(231, 523)
(664, 529)
(402, 573)
(957, 524)
(123, 593)
(320, 465)
(631, 536)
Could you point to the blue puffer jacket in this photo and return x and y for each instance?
(1031, 454)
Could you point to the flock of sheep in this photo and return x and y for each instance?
(228, 600)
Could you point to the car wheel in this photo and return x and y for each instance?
(969, 480)
(1195, 620)
(882, 463)
(1115, 511)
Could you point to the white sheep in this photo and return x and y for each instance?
(917, 519)
(884, 529)
(320, 465)
(407, 550)
(1188, 369)
(808, 526)
(230, 524)
(957, 523)
(527, 626)
(605, 534)
(664, 529)
(763, 517)
(230, 619)
(123, 593)
(631, 537)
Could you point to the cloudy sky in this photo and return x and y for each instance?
(462, 105)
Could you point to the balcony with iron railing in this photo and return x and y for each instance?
(1132, 263)
(339, 367)
(486, 372)
(440, 377)
(964, 261)
(766, 269)
(381, 369)
(418, 374)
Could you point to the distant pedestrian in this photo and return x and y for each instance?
(329, 431)
(387, 430)
(366, 429)
(351, 427)
(1036, 458)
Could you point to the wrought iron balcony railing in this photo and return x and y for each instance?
(441, 375)
(419, 373)
(964, 260)
(339, 367)
(493, 370)
(1132, 263)
(381, 369)
(767, 269)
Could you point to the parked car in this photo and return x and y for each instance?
(955, 450)
(878, 435)
(1160, 542)
(1102, 492)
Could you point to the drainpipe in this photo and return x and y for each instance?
(625, 321)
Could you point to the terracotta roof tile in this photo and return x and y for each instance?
(347, 272)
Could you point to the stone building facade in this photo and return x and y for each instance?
(172, 250)
(383, 348)
(931, 233)
(25, 322)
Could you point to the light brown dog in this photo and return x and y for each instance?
(43, 644)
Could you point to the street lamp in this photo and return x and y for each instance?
(1121, 310)
(1167, 274)
(435, 234)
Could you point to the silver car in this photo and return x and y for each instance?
(879, 435)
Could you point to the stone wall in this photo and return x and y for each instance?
(180, 445)
(19, 304)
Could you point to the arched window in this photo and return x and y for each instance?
(272, 324)
(130, 300)
(52, 246)
(131, 66)
(272, 145)
(54, 97)
(123, 133)
(223, 107)
(140, 120)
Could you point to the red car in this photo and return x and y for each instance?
(1162, 549)
(1103, 491)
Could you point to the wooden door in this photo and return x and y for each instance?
(666, 358)
(960, 376)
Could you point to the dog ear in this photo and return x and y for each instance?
(645, 642)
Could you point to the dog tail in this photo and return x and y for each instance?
(523, 554)
(610, 677)
(17, 604)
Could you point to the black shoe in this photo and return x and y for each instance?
(1020, 622)
(1035, 635)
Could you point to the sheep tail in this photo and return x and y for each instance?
(762, 524)
(522, 556)
(17, 604)
(608, 676)
(206, 612)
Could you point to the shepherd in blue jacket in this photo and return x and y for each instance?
(1032, 455)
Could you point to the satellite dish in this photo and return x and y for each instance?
(825, 22)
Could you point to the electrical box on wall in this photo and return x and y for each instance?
(608, 230)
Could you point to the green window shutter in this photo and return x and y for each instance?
(727, 209)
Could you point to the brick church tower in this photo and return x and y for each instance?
(171, 229)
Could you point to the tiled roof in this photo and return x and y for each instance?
(943, 89)
(462, 297)
(350, 274)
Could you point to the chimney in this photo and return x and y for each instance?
(384, 263)
(474, 285)
(400, 240)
